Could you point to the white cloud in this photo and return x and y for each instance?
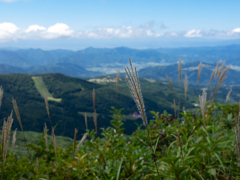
(8, 31)
(59, 30)
(236, 30)
(149, 33)
(35, 28)
(120, 32)
(194, 33)
(8, 27)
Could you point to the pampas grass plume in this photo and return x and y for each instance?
(95, 121)
(203, 101)
(134, 86)
(220, 70)
(15, 107)
(170, 84)
(45, 137)
(228, 95)
(1, 95)
(86, 123)
(216, 69)
(179, 69)
(80, 144)
(211, 77)
(199, 71)
(6, 129)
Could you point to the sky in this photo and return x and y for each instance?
(77, 24)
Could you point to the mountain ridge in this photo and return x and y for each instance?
(91, 57)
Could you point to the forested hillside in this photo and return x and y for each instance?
(76, 99)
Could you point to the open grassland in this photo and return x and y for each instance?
(42, 89)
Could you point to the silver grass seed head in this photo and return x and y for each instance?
(15, 107)
(211, 77)
(80, 144)
(170, 84)
(220, 69)
(1, 95)
(117, 79)
(85, 118)
(216, 69)
(228, 95)
(203, 101)
(45, 137)
(199, 71)
(7, 125)
(179, 69)
(134, 86)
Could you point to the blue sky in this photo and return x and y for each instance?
(74, 24)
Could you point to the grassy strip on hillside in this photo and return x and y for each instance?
(42, 89)
(126, 117)
(89, 114)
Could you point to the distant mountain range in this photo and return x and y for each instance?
(93, 62)
(64, 68)
(95, 57)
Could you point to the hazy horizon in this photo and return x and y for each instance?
(140, 44)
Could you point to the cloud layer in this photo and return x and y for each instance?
(10, 32)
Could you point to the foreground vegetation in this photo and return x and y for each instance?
(201, 143)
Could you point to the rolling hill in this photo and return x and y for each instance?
(76, 95)
(64, 68)
(76, 98)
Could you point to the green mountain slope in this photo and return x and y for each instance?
(76, 95)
